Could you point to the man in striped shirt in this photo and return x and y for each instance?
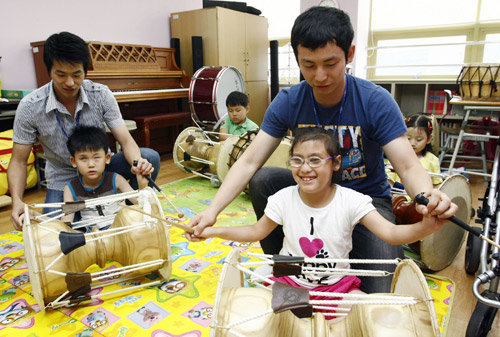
(51, 113)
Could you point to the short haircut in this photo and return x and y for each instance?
(327, 137)
(66, 47)
(421, 121)
(87, 138)
(237, 98)
(320, 25)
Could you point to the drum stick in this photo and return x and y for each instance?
(179, 213)
(175, 224)
(421, 199)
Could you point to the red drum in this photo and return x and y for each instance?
(208, 91)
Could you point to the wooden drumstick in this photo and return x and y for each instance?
(178, 225)
(421, 199)
(179, 213)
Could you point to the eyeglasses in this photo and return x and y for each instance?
(313, 161)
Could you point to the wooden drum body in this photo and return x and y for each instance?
(208, 91)
(46, 250)
(480, 82)
(235, 146)
(193, 151)
(234, 303)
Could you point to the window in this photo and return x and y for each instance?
(281, 15)
(431, 39)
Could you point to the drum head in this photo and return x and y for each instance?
(31, 261)
(208, 92)
(438, 250)
(178, 152)
(224, 161)
(435, 135)
(229, 80)
(160, 229)
(233, 148)
(230, 278)
(408, 280)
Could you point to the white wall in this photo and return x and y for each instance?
(126, 21)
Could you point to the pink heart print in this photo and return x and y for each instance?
(310, 247)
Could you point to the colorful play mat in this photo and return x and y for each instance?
(180, 307)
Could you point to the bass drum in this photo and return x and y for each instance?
(208, 92)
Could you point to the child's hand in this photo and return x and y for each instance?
(142, 181)
(205, 234)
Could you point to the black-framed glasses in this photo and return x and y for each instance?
(313, 161)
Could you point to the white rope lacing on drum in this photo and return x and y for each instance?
(359, 295)
(362, 298)
(248, 319)
(92, 202)
(92, 221)
(268, 260)
(204, 133)
(321, 271)
(66, 302)
(392, 301)
(114, 232)
(48, 229)
(123, 231)
(47, 268)
(127, 269)
(115, 281)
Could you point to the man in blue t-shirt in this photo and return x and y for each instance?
(368, 124)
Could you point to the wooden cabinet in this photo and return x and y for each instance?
(230, 38)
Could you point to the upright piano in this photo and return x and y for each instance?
(145, 81)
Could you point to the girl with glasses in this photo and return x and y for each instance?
(318, 215)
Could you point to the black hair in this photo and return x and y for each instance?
(327, 137)
(320, 25)
(237, 98)
(421, 121)
(87, 138)
(66, 47)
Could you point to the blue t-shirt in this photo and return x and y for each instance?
(370, 119)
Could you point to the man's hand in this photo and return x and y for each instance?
(17, 215)
(143, 167)
(439, 205)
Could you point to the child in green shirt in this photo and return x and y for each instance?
(236, 121)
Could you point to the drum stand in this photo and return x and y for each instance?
(487, 256)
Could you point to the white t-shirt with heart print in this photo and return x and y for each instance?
(324, 232)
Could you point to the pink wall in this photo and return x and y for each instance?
(127, 21)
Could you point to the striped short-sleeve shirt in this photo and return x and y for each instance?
(41, 116)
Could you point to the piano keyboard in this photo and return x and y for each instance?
(148, 95)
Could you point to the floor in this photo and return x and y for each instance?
(464, 301)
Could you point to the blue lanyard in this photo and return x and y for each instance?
(341, 105)
(61, 126)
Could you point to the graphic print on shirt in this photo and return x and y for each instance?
(351, 150)
(313, 247)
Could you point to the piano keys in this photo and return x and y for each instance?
(148, 95)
